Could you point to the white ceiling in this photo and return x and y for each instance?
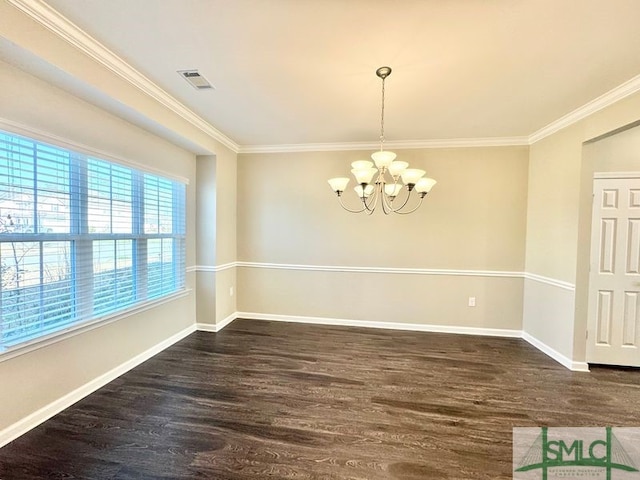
(303, 71)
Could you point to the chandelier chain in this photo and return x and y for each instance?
(382, 119)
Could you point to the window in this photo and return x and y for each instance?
(81, 239)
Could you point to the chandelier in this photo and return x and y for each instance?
(378, 182)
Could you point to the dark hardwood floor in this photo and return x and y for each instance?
(264, 400)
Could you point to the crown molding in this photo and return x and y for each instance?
(612, 96)
(396, 145)
(51, 19)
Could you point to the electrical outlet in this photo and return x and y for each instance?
(472, 301)
(231, 291)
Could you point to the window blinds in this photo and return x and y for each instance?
(81, 238)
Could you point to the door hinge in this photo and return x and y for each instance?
(587, 334)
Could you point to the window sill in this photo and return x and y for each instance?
(73, 330)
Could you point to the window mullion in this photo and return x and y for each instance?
(36, 224)
(174, 231)
(82, 247)
(41, 287)
(140, 243)
(110, 199)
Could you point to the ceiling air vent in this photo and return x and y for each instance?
(195, 79)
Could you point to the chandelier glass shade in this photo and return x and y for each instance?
(381, 182)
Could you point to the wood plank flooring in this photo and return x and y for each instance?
(267, 400)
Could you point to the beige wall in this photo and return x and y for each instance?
(206, 209)
(206, 239)
(226, 201)
(216, 227)
(474, 219)
(35, 379)
(548, 313)
(619, 152)
(226, 294)
(383, 297)
(559, 220)
(552, 216)
(552, 235)
(226, 227)
(555, 169)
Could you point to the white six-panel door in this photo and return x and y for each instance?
(614, 289)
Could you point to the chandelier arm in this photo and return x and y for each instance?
(349, 209)
(387, 201)
(410, 211)
(406, 200)
(387, 204)
(373, 200)
(370, 207)
(385, 207)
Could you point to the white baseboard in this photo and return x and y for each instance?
(557, 356)
(494, 332)
(417, 327)
(207, 327)
(36, 418)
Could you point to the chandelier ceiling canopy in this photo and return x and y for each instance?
(380, 183)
